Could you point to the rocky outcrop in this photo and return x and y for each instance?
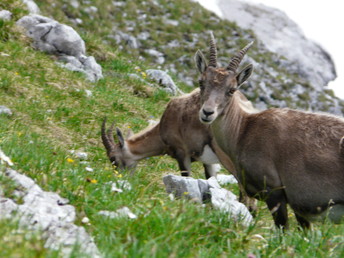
(44, 212)
(49, 213)
(63, 41)
(283, 36)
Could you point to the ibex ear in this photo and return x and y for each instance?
(244, 74)
(200, 61)
(120, 137)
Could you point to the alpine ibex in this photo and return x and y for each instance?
(179, 134)
(281, 155)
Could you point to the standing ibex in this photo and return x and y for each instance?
(179, 134)
(281, 155)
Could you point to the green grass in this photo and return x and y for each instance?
(53, 115)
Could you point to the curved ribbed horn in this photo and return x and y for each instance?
(213, 52)
(235, 61)
(107, 137)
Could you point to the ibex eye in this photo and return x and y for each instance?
(231, 91)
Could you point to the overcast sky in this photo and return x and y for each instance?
(320, 20)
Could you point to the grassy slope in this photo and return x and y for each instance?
(53, 115)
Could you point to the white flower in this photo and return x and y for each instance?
(5, 159)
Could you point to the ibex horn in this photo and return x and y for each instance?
(107, 137)
(235, 61)
(213, 52)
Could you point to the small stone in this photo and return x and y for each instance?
(88, 169)
(5, 110)
(164, 80)
(88, 93)
(85, 220)
(5, 15)
(226, 179)
(122, 212)
(31, 6)
(81, 155)
(120, 186)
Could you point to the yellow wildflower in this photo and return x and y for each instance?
(186, 193)
(69, 160)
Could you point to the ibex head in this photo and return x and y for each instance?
(218, 84)
(118, 153)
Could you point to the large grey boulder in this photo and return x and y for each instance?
(201, 190)
(283, 36)
(63, 41)
(52, 37)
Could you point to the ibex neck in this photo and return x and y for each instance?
(146, 143)
(228, 126)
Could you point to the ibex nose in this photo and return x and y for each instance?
(208, 113)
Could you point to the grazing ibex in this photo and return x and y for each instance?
(179, 134)
(281, 155)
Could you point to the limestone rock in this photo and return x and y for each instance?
(201, 190)
(163, 79)
(31, 6)
(5, 110)
(63, 41)
(122, 212)
(5, 15)
(48, 213)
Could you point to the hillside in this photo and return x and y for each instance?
(57, 112)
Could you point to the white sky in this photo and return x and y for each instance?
(320, 20)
